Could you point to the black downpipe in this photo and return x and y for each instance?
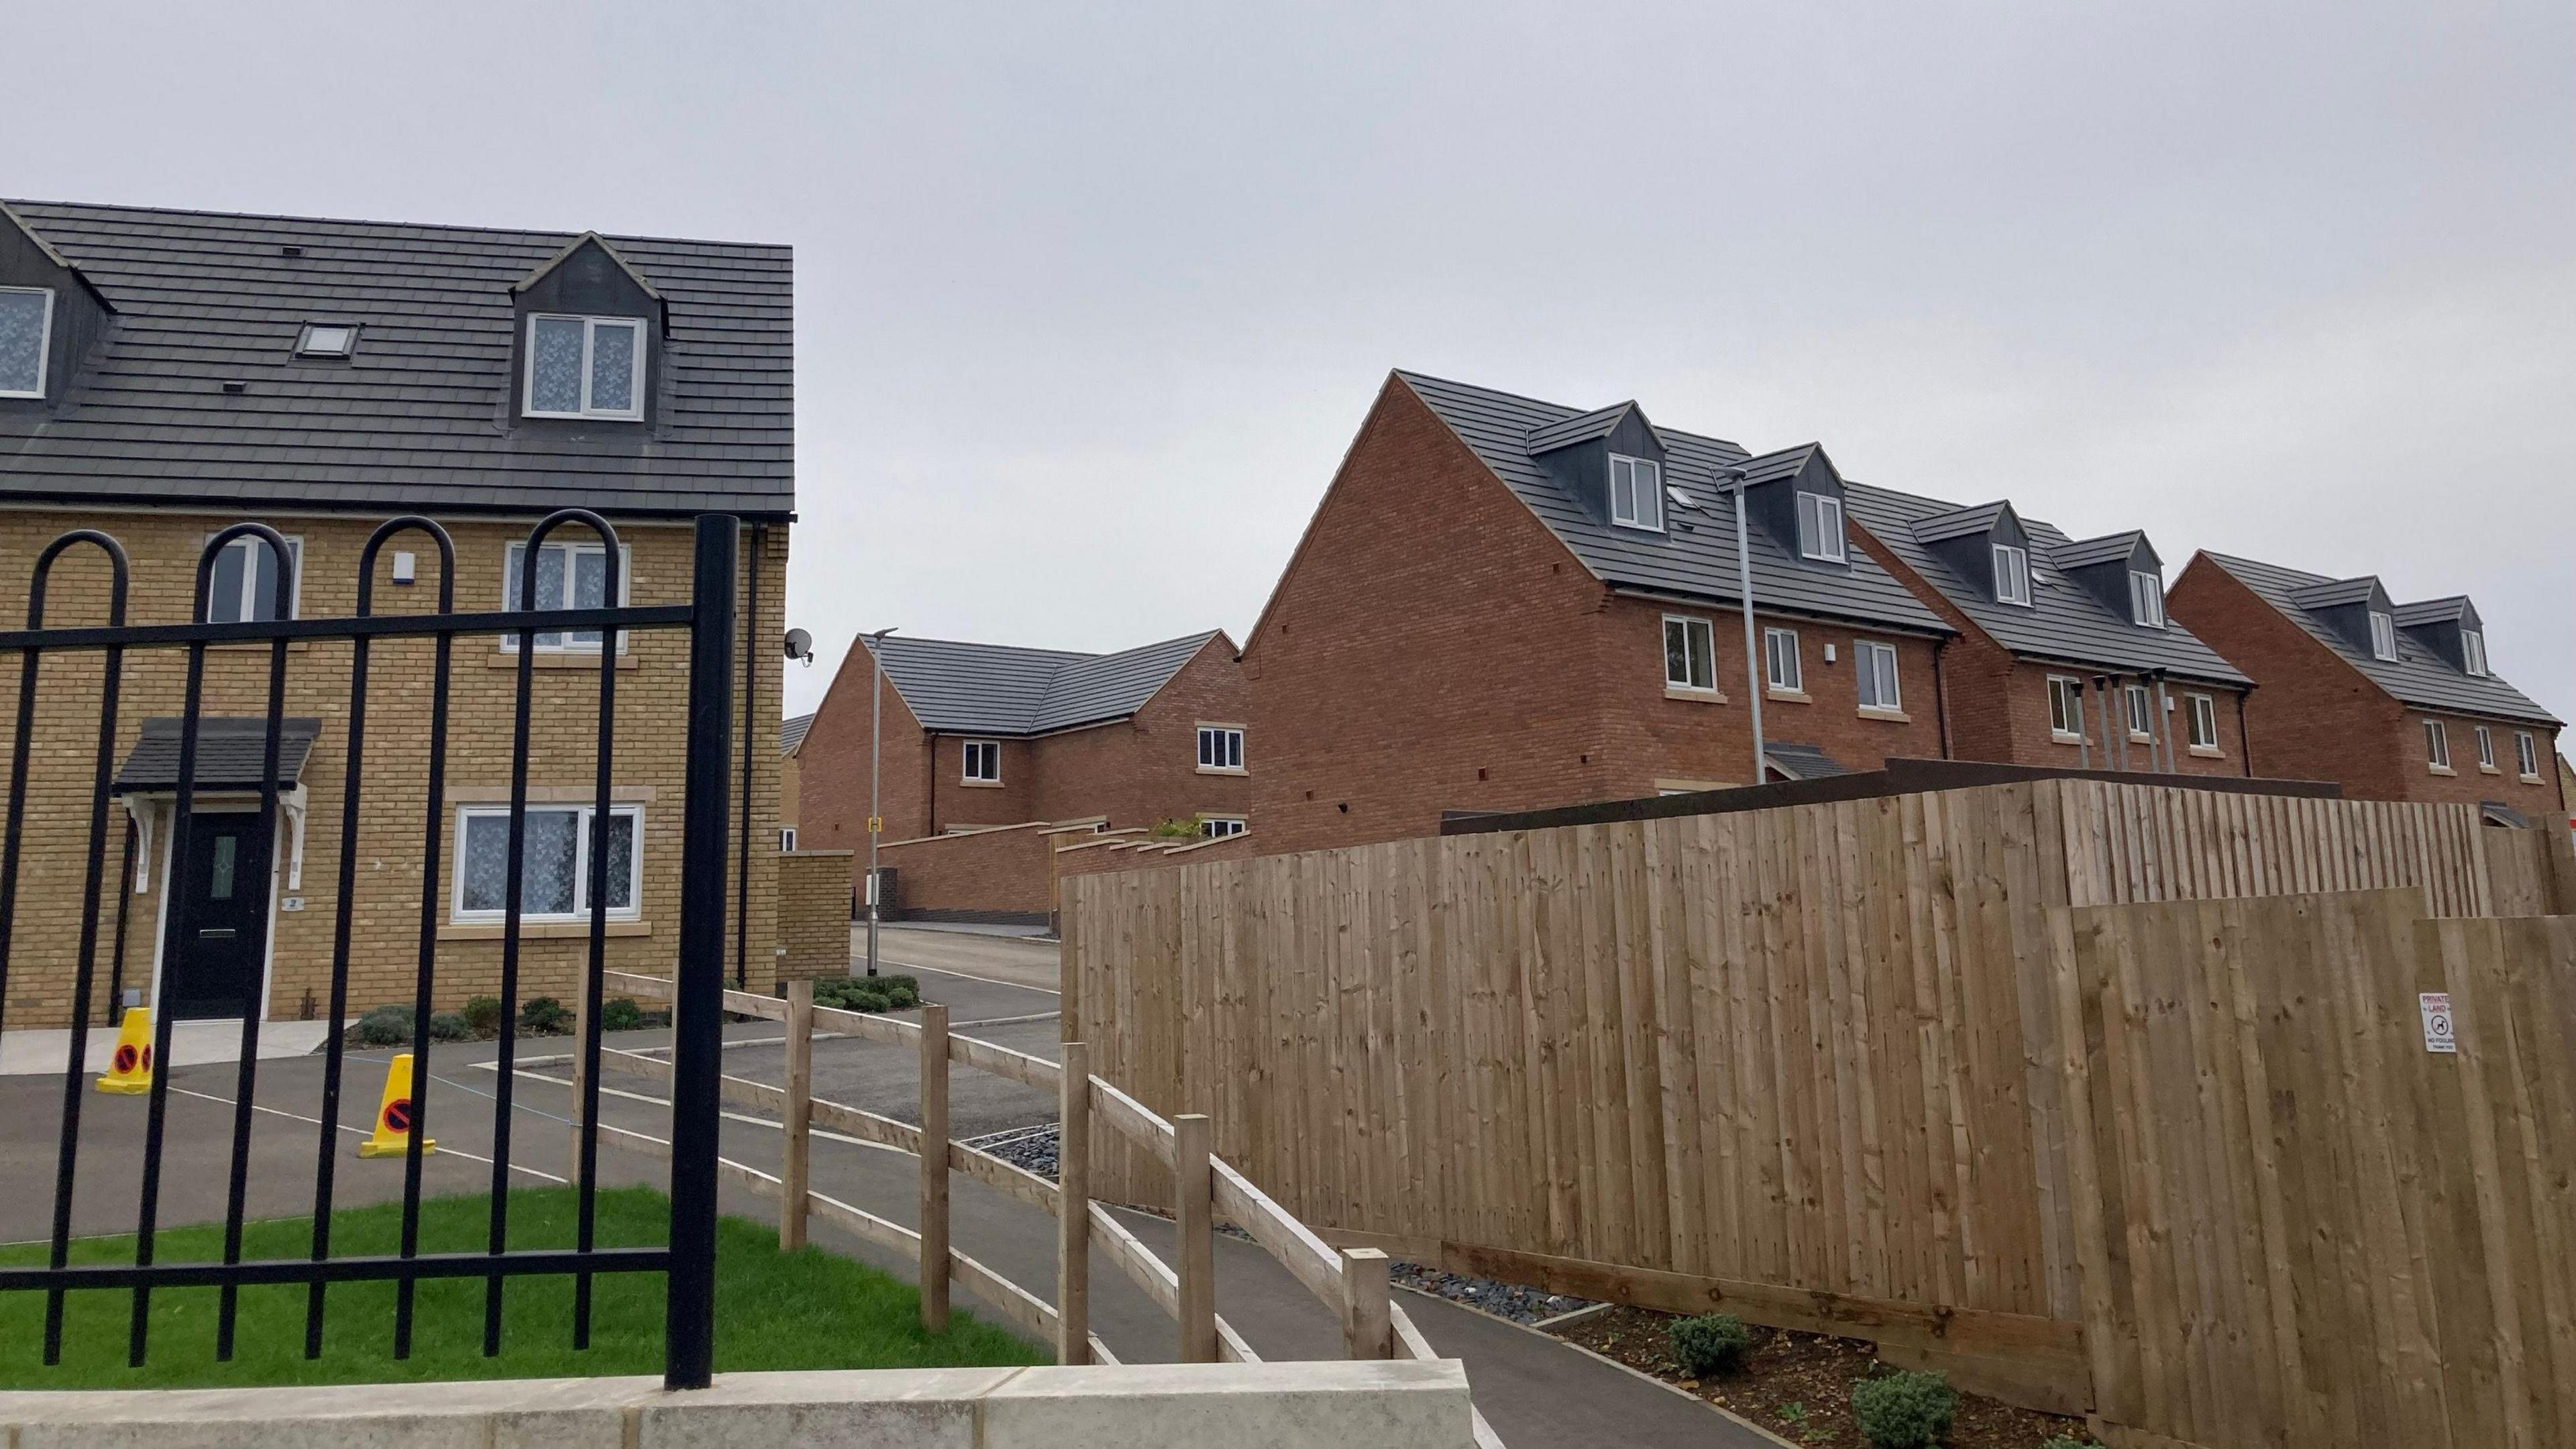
(2244, 736)
(1941, 694)
(750, 741)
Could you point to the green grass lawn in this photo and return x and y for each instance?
(810, 1310)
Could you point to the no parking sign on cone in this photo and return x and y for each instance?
(392, 1136)
(129, 1067)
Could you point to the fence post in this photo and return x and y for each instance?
(580, 1079)
(1073, 1207)
(1193, 1214)
(794, 1170)
(697, 994)
(934, 1168)
(1368, 1328)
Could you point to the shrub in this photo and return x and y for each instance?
(483, 1015)
(544, 1016)
(1713, 1344)
(1905, 1410)
(867, 993)
(450, 1026)
(384, 1026)
(621, 1014)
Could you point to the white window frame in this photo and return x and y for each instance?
(2012, 575)
(1648, 495)
(1865, 656)
(1221, 827)
(1228, 752)
(2383, 635)
(1692, 627)
(1814, 539)
(589, 349)
(2437, 745)
(2526, 755)
(2473, 651)
(786, 840)
(44, 342)
(572, 548)
(966, 759)
(2066, 704)
(632, 910)
(250, 576)
(1772, 656)
(2202, 721)
(2146, 599)
(2141, 706)
(2486, 748)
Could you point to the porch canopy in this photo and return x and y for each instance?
(229, 751)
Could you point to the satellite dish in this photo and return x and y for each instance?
(800, 646)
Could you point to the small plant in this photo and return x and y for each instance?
(483, 1014)
(1713, 1344)
(867, 993)
(1905, 1410)
(384, 1026)
(450, 1026)
(621, 1014)
(1177, 828)
(544, 1016)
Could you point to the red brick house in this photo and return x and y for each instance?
(2392, 701)
(2065, 655)
(984, 735)
(1505, 604)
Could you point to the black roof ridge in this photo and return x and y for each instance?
(380, 225)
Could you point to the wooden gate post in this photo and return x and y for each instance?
(795, 1175)
(1073, 1207)
(934, 1168)
(1368, 1326)
(1193, 1222)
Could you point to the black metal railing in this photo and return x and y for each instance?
(688, 1259)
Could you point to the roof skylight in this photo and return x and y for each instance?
(327, 339)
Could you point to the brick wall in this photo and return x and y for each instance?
(833, 766)
(1002, 873)
(651, 730)
(813, 914)
(1091, 857)
(1145, 770)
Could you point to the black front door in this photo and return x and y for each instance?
(219, 922)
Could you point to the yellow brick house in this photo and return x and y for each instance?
(165, 375)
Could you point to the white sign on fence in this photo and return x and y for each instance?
(2437, 1022)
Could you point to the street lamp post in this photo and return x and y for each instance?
(876, 814)
(1744, 591)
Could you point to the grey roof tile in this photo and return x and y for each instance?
(1697, 562)
(1802, 762)
(2065, 623)
(2417, 676)
(791, 733)
(418, 417)
(998, 689)
(230, 750)
(2109, 548)
(2432, 611)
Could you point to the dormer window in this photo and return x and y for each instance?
(2012, 575)
(26, 336)
(2146, 599)
(1820, 528)
(2473, 652)
(327, 339)
(585, 367)
(2383, 635)
(1636, 492)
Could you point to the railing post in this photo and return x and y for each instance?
(580, 1080)
(1073, 1207)
(794, 1171)
(1368, 1328)
(1193, 1220)
(934, 1168)
(697, 995)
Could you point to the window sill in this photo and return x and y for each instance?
(1219, 770)
(1892, 716)
(2441, 770)
(2529, 779)
(2489, 770)
(538, 930)
(258, 646)
(2063, 738)
(2209, 752)
(1789, 696)
(981, 784)
(556, 659)
(1693, 696)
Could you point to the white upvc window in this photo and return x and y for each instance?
(26, 339)
(1780, 664)
(2202, 712)
(2437, 745)
(1218, 827)
(2486, 749)
(786, 839)
(2146, 599)
(1820, 528)
(2066, 707)
(2012, 575)
(1875, 663)
(1636, 492)
(554, 880)
(243, 586)
(2383, 635)
(2526, 754)
(983, 762)
(1690, 654)
(2473, 652)
(585, 367)
(2142, 713)
(569, 576)
(1221, 749)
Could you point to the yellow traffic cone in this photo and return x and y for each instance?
(129, 1068)
(393, 1119)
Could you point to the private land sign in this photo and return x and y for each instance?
(2437, 1022)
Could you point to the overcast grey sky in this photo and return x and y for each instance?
(1091, 299)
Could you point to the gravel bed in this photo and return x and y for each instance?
(1503, 1300)
(1030, 1149)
